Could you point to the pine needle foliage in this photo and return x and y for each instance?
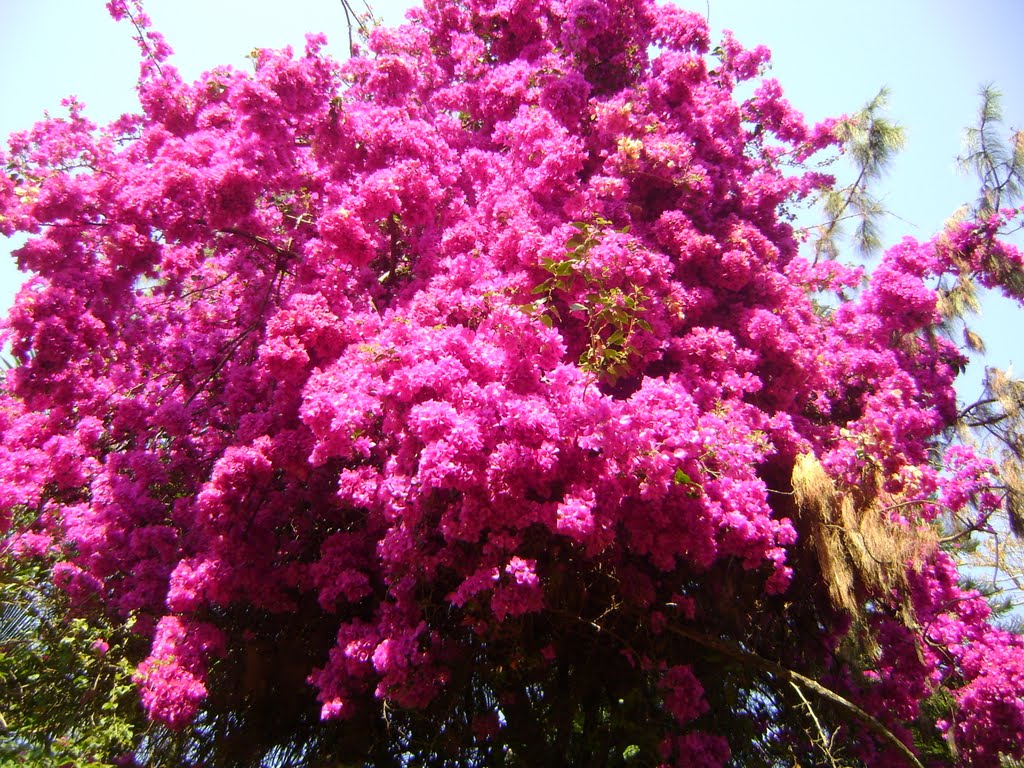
(871, 141)
(997, 162)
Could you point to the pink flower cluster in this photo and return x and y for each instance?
(172, 678)
(987, 665)
(281, 351)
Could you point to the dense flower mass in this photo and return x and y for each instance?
(475, 366)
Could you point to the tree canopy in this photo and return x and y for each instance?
(476, 401)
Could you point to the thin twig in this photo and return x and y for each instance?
(827, 742)
(348, 21)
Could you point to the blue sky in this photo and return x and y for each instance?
(830, 58)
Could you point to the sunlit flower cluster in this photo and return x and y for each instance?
(283, 354)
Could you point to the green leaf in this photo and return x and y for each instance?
(681, 478)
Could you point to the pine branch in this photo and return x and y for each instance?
(997, 164)
(872, 142)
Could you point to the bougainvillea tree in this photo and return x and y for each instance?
(469, 402)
